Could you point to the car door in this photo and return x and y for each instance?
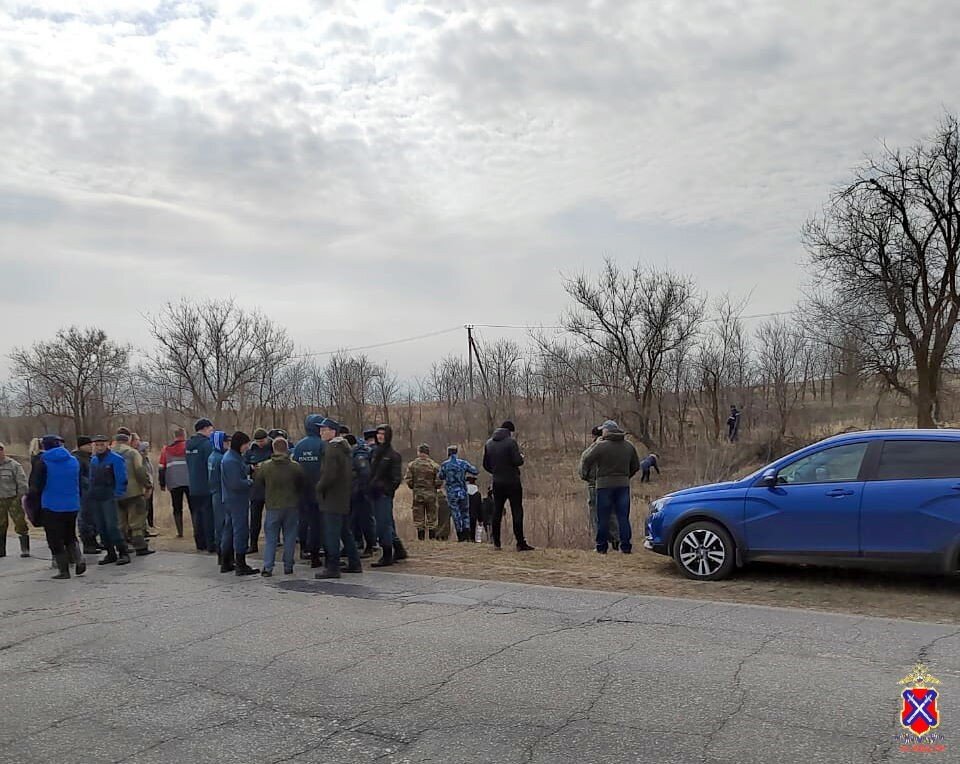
(813, 509)
(911, 504)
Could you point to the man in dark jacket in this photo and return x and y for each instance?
(85, 524)
(733, 424)
(55, 486)
(108, 484)
(502, 459)
(362, 522)
(235, 485)
(308, 453)
(198, 451)
(612, 462)
(386, 473)
(652, 461)
(333, 496)
(261, 449)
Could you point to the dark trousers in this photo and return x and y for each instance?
(107, 519)
(217, 510)
(61, 530)
(502, 493)
(310, 529)
(256, 521)
(201, 513)
(150, 511)
(386, 528)
(236, 529)
(86, 523)
(176, 499)
(362, 521)
(336, 530)
(645, 476)
(613, 501)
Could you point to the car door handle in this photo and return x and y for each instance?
(956, 487)
(837, 492)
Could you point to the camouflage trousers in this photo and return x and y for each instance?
(425, 511)
(11, 509)
(132, 513)
(459, 511)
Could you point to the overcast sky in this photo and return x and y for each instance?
(365, 171)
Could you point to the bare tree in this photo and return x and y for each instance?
(629, 323)
(386, 389)
(211, 354)
(77, 376)
(887, 251)
(720, 362)
(782, 357)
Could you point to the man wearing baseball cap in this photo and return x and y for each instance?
(198, 451)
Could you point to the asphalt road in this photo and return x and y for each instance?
(168, 661)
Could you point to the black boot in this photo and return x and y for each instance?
(386, 560)
(110, 558)
(242, 569)
(142, 546)
(24, 545)
(433, 534)
(90, 545)
(329, 572)
(523, 546)
(123, 556)
(178, 521)
(226, 562)
(79, 562)
(399, 552)
(421, 534)
(63, 565)
(358, 568)
(315, 561)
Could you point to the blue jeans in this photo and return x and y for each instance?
(288, 520)
(86, 524)
(336, 529)
(104, 514)
(236, 530)
(613, 501)
(219, 517)
(363, 524)
(383, 512)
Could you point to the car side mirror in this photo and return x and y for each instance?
(769, 479)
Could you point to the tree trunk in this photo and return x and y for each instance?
(926, 396)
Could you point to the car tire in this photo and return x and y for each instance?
(704, 551)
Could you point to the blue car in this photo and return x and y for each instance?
(888, 497)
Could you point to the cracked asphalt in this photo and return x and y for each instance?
(169, 661)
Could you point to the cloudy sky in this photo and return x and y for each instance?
(370, 170)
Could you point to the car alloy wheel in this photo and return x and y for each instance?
(704, 552)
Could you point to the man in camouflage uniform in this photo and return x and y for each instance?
(132, 508)
(13, 486)
(453, 473)
(422, 478)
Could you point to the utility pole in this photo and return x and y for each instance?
(469, 329)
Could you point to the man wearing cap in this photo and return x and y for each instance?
(614, 462)
(591, 481)
(108, 484)
(85, 524)
(453, 473)
(197, 452)
(333, 496)
(503, 459)
(308, 453)
(173, 475)
(259, 451)
(133, 506)
(55, 485)
(423, 479)
(13, 486)
(281, 482)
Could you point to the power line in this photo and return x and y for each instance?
(383, 344)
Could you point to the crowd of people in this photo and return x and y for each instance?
(330, 493)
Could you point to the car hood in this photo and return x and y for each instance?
(728, 485)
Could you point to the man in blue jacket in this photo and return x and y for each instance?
(55, 485)
(236, 483)
(108, 484)
(198, 451)
(221, 442)
(453, 473)
(308, 453)
(259, 451)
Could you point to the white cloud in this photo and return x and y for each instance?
(414, 165)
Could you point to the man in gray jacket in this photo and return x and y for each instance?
(612, 461)
(591, 480)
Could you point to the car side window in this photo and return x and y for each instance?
(840, 464)
(919, 460)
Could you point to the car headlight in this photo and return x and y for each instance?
(656, 506)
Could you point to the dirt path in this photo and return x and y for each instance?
(893, 595)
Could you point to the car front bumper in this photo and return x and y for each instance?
(658, 548)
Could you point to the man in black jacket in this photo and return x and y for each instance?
(85, 523)
(386, 473)
(502, 459)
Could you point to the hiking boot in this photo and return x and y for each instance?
(63, 565)
(266, 573)
(386, 560)
(24, 545)
(351, 569)
(241, 567)
(123, 556)
(523, 546)
(110, 558)
(226, 563)
(399, 552)
(327, 573)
